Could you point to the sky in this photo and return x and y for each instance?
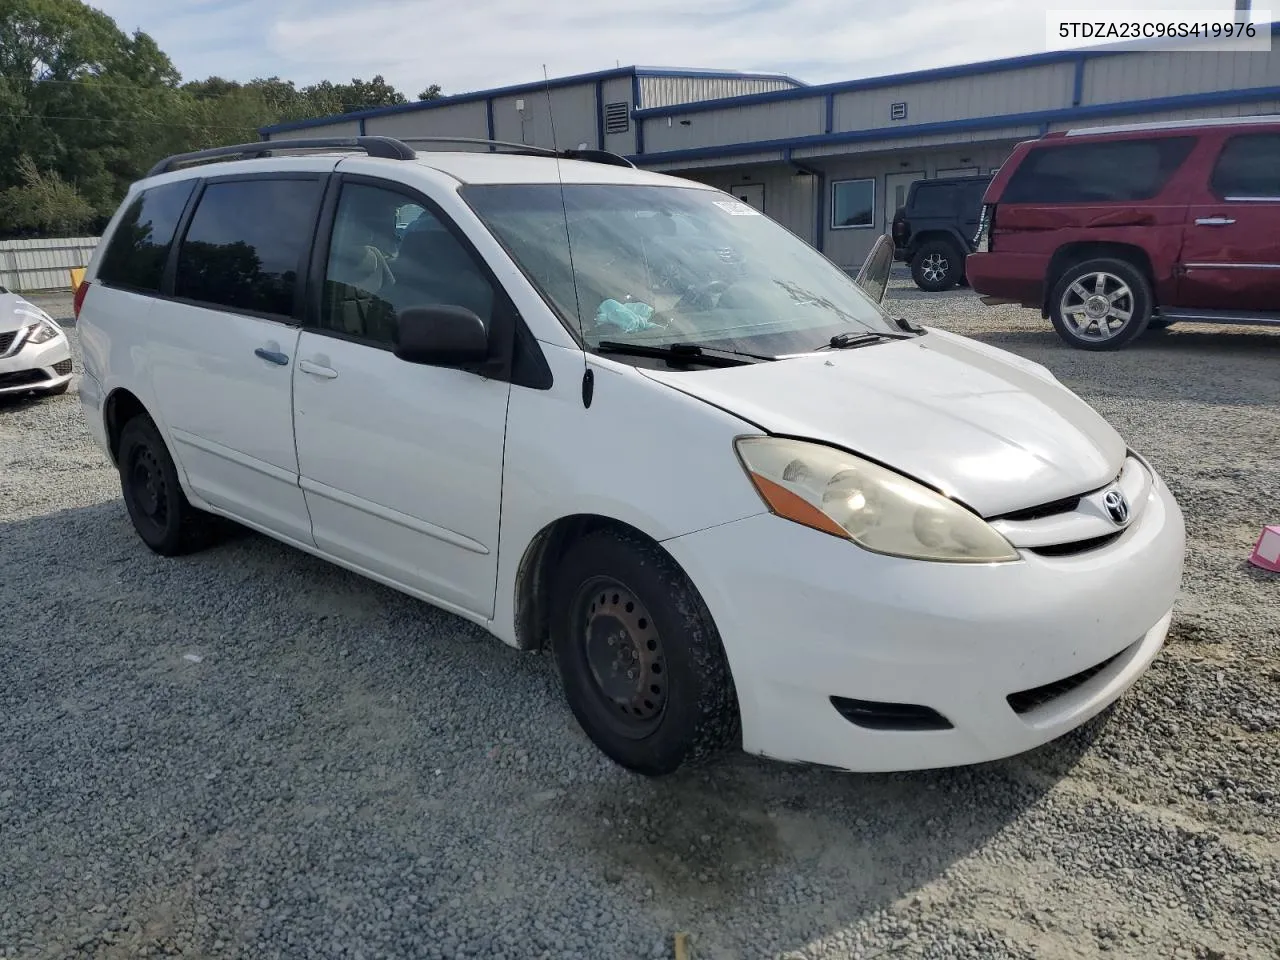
(473, 46)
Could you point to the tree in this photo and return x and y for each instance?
(91, 108)
(81, 96)
(328, 98)
(431, 93)
(44, 203)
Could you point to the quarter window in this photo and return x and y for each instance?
(853, 204)
(1249, 167)
(1123, 170)
(387, 255)
(139, 248)
(245, 247)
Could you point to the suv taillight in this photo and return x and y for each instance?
(78, 301)
(986, 226)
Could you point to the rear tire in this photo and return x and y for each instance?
(1101, 304)
(164, 519)
(639, 656)
(937, 266)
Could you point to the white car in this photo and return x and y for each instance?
(628, 418)
(35, 356)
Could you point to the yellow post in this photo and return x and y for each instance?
(77, 278)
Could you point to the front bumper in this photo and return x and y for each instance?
(36, 367)
(806, 617)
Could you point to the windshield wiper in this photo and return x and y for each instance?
(850, 340)
(682, 353)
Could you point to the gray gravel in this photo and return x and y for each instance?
(250, 753)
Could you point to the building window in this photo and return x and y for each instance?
(853, 204)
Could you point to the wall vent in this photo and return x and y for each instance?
(617, 117)
(898, 111)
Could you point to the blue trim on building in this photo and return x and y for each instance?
(1039, 118)
(1077, 83)
(831, 113)
(599, 114)
(820, 213)
(488, 121)
(360, 126)
(918, 76)
(635, 111)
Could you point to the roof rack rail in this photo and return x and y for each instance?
(1155, 125)
(591, 156)
(387, 148)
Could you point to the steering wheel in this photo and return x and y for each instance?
(701, 296)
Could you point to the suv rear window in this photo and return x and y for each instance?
(139, 248)
(1249, 166)
(246, 242)
(1118, 170)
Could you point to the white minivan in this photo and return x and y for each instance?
(628, 418)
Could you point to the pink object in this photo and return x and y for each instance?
(1266, 553)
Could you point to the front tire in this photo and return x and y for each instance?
(164, 519)
(1101, 304)
(936, 266)
(639, 656)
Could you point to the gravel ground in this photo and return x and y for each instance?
(250, 753)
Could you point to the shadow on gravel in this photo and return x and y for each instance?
(338, 747)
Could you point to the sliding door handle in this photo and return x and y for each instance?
(324, 373)
(1214, 222)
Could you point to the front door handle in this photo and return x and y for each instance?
(1214, 222)
(272, 356)
(325, 373)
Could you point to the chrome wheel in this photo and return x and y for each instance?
(935, 267)
(1097, 306)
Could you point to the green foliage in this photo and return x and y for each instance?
(44, 203)
(91, 108)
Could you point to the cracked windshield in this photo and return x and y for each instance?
(657, 266)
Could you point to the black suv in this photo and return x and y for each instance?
(934, 232)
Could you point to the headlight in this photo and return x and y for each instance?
(877, 509)
(43, 330)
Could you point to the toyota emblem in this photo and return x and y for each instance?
(1117, 507)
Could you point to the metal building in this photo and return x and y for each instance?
(832, 162)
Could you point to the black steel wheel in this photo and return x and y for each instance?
(163, 518)
(640, 659)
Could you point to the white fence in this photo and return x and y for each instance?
(27, 266)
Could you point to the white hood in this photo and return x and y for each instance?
(992, 430)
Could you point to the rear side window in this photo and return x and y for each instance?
(1249, 167)
(139, 248)
(244, 249)
(1097, 172)
(934, 200)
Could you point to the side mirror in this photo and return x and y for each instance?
(442, 336)
(873, 278)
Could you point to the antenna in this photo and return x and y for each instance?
(588, 378)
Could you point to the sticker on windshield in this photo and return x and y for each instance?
(736, 209)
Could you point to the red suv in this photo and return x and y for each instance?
(1113, 229)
